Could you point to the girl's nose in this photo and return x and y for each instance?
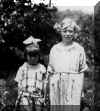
(68, 33)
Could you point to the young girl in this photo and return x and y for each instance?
(67, 60)
(30, 78)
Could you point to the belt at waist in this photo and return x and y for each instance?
(64, 73)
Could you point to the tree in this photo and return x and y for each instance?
(18, 21)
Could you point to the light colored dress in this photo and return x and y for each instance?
(69, 63)
(30, 79)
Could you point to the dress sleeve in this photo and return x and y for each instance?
(19, 75)
(51, 56)
(50, 67)
(83, 65)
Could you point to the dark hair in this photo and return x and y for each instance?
(31, 53)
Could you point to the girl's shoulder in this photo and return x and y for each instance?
(78, 46)
(56, 47)
(23, 66)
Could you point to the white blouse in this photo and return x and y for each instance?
(70, 59)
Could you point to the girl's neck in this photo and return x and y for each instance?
(33, 65)
(67, 43)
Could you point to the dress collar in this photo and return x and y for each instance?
(68, 48)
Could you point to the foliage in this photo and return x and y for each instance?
(19, 20)
(86, 39)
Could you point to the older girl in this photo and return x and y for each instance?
(67, 62)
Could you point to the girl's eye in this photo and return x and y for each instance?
(70, 31)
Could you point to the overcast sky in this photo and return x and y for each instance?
(84, 5)
(75, 2)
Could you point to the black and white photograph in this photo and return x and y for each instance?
(49, 55)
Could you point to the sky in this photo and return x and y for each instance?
(86, 6)
(75, 2)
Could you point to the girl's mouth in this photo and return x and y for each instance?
(68, 37)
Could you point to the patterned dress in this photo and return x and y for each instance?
(69, 63)
(30, 81)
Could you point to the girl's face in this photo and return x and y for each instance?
(67, 34)
(32, 59)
